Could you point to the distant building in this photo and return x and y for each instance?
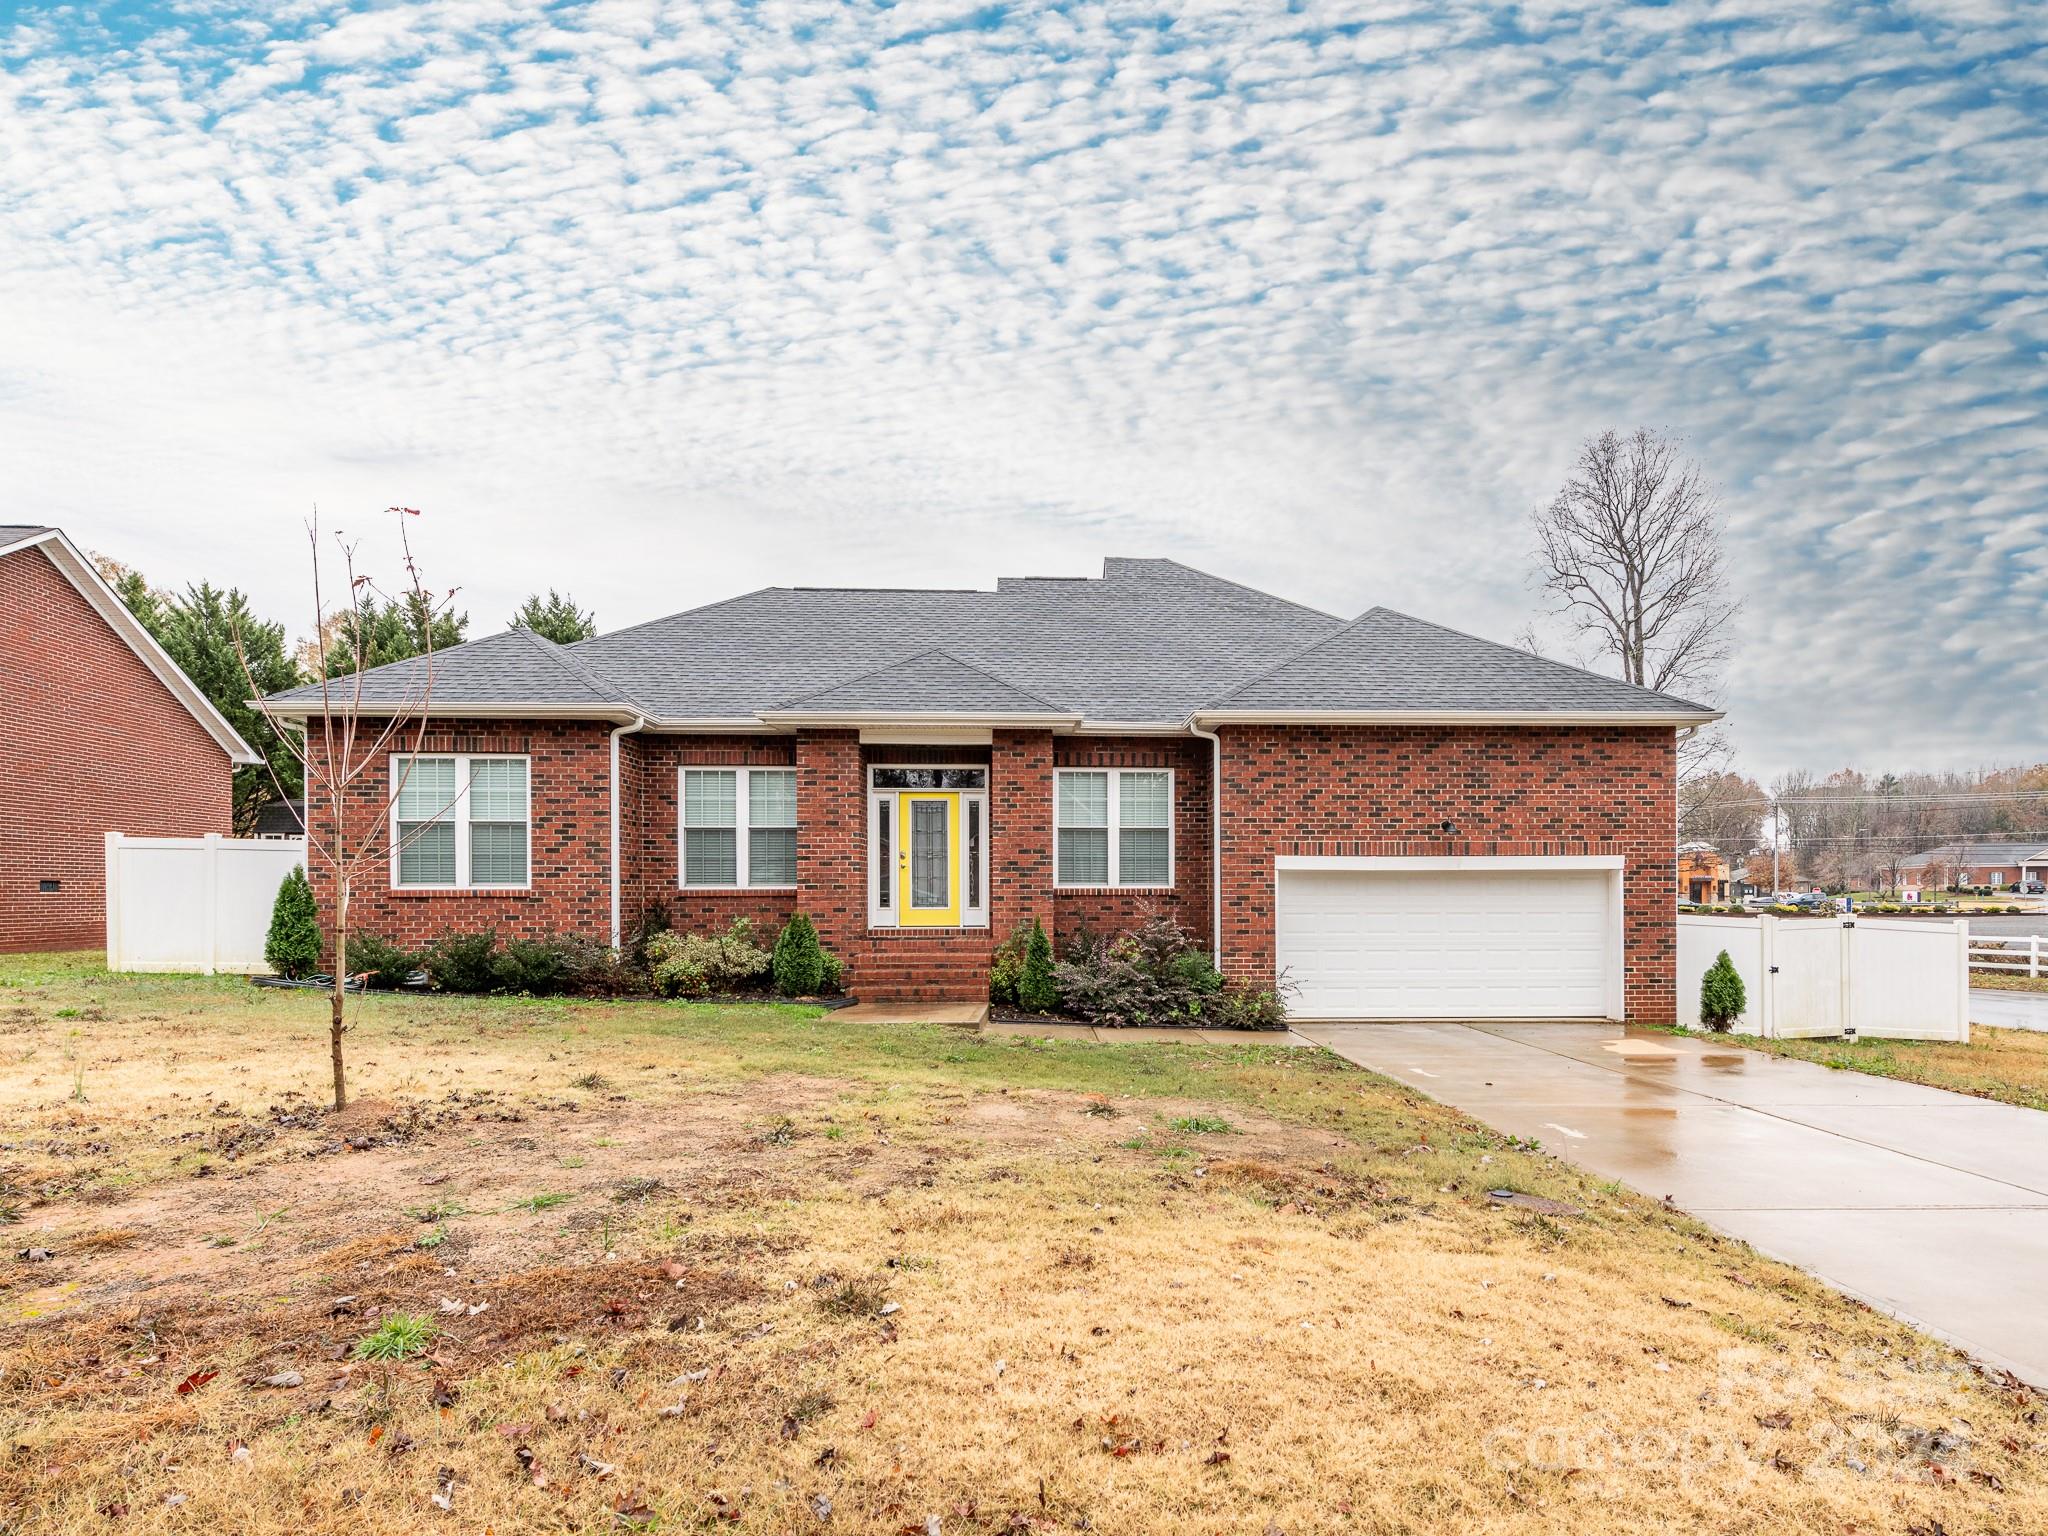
(1960, 864)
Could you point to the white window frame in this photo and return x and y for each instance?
(458, 811)
(742, 804)
(1116, 816)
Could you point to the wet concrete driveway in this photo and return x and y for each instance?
(1931, 1205)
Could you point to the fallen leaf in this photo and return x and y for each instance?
(821, 1506)
(195, 1381)
(284, 1379)
(869, 1421)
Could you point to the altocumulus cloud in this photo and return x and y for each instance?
(662, 300)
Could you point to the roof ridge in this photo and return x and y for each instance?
(1548, 661)
(1290, 659)
(904, 661)
(1221, 581)
(589, 676)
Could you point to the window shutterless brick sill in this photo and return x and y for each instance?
(1117, 890)
(479, 893)
(736, 890)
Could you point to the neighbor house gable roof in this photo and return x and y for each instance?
(1149, 644)
(74, 567)
(1387, 663)
(2034, 852)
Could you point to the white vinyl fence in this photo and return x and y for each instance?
(1894, 979)
(193, 903)
(2024, 954)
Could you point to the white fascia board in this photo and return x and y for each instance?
(924, 719)
(85, 576)
(1671, 720)
(381, 709)
(1425, 864)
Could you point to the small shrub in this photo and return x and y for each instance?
(1722, 999)
(1038, 986)
(1006, 966)
(380, 962)
(687, 965)
(1155, 974)
(292, 948)
(799, 964)
(463, 962)
(538, 967)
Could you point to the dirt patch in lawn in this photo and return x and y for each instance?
(1000, 1285)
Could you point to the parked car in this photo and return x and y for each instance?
(2033, 888)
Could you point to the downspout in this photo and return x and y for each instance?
(1215, 840)
(625, 730)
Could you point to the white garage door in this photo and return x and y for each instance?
(1450, 944)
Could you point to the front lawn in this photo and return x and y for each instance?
(598, 1266)
(2008, 981)
(2009, 1065)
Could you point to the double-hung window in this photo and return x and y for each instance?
(1113, 826)
(461, 822)
(739, 827)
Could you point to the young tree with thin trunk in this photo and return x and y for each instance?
(350, 741)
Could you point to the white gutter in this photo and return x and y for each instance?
(625, 730)
(1455, 717)
(1215, 842)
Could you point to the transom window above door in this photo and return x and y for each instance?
(738, 828)
(1113, 827)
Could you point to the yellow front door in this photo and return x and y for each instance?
(927, 863)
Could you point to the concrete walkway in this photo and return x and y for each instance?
(2009, 1010)
(1931, 1205)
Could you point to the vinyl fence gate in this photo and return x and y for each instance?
(1892, 979)
(193, 903)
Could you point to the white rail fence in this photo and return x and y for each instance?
(2018, 955)
(193, 903)
(1896, 979)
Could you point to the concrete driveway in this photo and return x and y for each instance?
(2009, 1010)
(1931, 1205)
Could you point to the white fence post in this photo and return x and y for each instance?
(113, 901)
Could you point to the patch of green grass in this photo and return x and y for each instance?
(1202, 1125)
(439, 1210)
(396, 1337)
(572, 1160)
(433, 1239)
(2009, 1065)
(541, 1202)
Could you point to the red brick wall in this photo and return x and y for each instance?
(1353, 790)
(654, 870)
(1020, 831)
(1188, 900)
(569, 782)
(91, 742)
(831, 839)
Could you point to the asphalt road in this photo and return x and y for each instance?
(2008, 927)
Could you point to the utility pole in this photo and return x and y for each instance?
(1774, 847)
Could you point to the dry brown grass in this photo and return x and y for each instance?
(906, 1273)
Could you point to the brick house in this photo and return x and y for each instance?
(99, 732)
(1404, 820)
(1956, 865)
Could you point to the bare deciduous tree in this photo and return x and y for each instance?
(1630, 550)
(344, 748)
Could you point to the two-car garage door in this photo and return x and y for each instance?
(1517, 940)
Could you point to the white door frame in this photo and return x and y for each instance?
(971, 916)
(1614, 865)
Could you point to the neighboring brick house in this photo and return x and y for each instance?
(99, 732)
(1404, 820)
(1956, 865)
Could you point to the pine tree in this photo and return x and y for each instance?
(555, 617)
(1037, 991)
(1722, 998)
(798, 964)
(293, 945)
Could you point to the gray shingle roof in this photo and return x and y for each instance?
(1388, 661)
(516, 667)
(1981, 853)
(1148, 642)
(14, 533)
(932, 682)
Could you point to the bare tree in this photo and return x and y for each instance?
(1630, 552)
(348, 831)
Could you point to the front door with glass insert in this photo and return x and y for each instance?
(928, 847)
(927, 892)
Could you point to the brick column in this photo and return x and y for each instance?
(831, 846)
(1020, 829)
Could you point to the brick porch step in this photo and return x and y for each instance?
(945, 966)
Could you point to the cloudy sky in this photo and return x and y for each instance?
(659, 302)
